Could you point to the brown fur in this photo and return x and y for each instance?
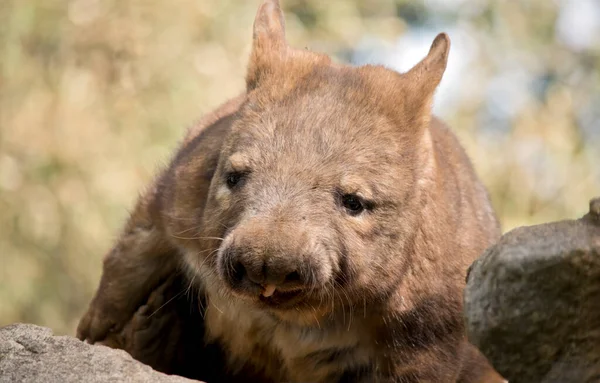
(371, 295)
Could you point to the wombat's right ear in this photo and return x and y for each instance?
(269, 46)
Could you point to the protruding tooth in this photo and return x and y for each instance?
(269, 290)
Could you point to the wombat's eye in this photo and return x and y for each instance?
(353, 204)
(234, 179)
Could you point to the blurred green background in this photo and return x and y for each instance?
(95, 94)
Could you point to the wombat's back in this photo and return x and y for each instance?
(471, 199)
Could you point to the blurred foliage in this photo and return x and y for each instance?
(95, 94)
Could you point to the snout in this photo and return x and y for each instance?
(275, 261)
(264, 274)
(282, 275)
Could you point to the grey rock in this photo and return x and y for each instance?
(532, 302)
(30, 353)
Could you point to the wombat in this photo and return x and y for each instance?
(318, 228)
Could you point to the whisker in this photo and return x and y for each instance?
(192, 238)
(189, 229)
(166, 303)
(315, 316)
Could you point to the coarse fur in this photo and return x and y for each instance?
(325, 219)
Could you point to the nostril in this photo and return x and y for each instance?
(238, 272)
(292, 277)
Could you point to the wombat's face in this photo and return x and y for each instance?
(315, 200)
(307, 197)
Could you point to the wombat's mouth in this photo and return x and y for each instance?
(281, 299)
(270, 296)
(277, 299)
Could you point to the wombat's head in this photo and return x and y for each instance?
(317, 190)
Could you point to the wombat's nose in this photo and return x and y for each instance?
(281, 276)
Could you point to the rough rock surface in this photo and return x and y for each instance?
(30, 353)
(532, 302)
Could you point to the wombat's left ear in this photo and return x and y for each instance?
(269, 46)
(424, 77)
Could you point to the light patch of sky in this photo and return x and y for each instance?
(578, 24)
(465, 7)
(444, 4)
(508, 92)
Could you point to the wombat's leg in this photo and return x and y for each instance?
(154, 335)
(167, 333)
(136, 265)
